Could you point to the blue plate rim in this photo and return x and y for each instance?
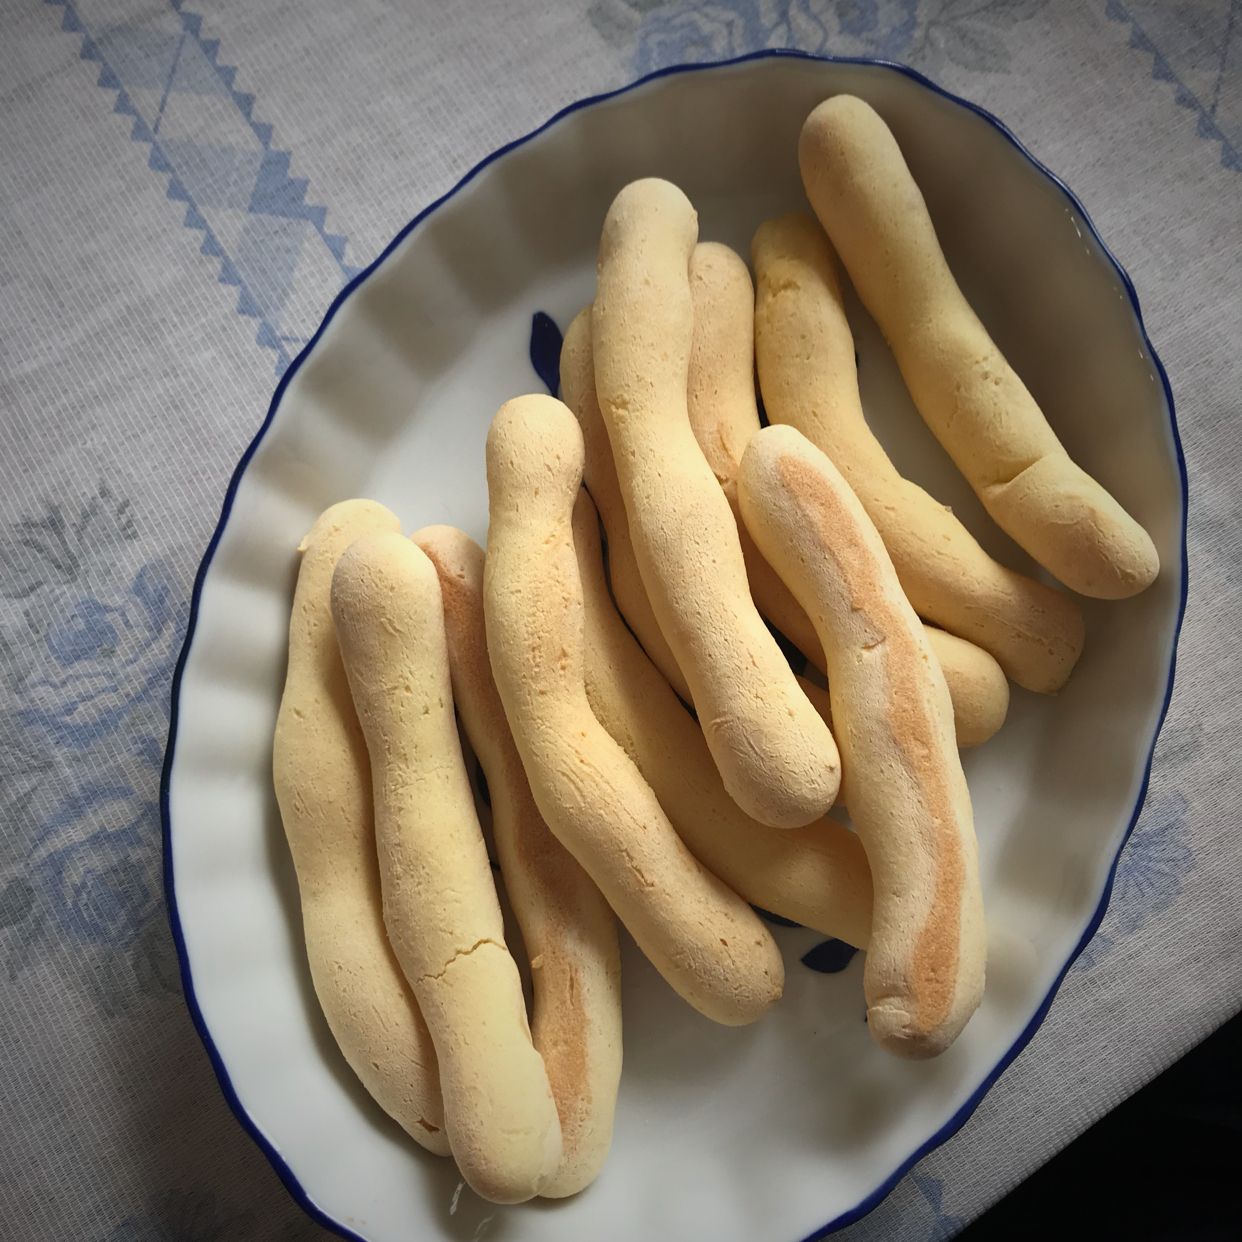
(963, 1114)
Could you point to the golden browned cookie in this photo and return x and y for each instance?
(569, 932)
(805, 353)
(894, 720)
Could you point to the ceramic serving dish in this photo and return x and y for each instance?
(799, 1124)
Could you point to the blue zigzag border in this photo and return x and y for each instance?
(293, 188)
(158, 161)
(1162, 71)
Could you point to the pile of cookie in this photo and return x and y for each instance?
(649, 754)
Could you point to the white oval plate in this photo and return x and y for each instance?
(798, 1124)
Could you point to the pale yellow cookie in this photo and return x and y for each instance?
(968, 394)
(568, 930)
(978, 689)
(724, 414)
(600, 476)
(323, 787)
(440, 905)
(775, 755)
(816, 875)
(700, 935)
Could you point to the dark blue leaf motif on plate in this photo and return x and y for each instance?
(778, 919)
(829, 957)
(545, 351)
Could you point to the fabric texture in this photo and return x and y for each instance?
(186, 184)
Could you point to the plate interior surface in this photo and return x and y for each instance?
(767, 1133)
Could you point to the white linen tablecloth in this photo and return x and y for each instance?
(184, 184)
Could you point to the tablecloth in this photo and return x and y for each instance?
(184, 185)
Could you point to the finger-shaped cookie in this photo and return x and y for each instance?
(890, 706)
(724, 415)
(720, 379)
(816, 875)
(323, 786)
(978, 689)
(805, 353)
(600, 476)
(977, 685)
(568, 930)
(775, 755)
(968, 394)
(440, 906)
(699, 934)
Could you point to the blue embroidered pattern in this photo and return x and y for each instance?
(943, 1226)
(1202, 58)
(674, 33)
(105, 664)
(1149, 876)
(1190, 44)
(82, 750)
